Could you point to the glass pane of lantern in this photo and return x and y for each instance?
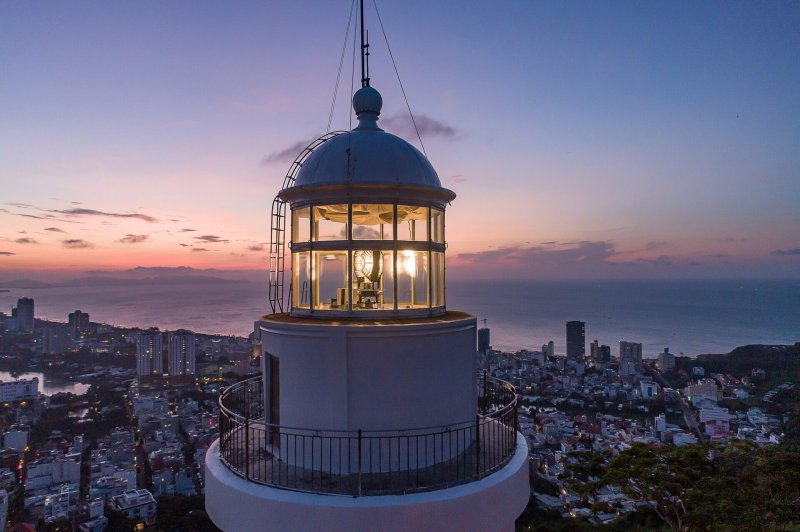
(301, 226)
(387, 280)
(371, 284)
(412, 279)
(437, 278)
(330, 280)
(412, 223)
(301, 275)
(330, 222)
(373, 222)
(437, 226)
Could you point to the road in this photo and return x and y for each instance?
(683, 402)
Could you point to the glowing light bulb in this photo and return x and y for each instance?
(407, 264)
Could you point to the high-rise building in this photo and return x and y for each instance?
(181, 353)
(630, 358)
(604, 354)
(484, 340)
(23, 314)
(364, 364)
(576, 340)
(549, 349)
(78, 324)
(666, 360)
(149, 353)
(56, 339)
(599, 354)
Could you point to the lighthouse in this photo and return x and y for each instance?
(370, 412)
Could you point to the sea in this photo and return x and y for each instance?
(690, 317)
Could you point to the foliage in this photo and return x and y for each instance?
(735, 486)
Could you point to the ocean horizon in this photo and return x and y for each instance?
(688, 316)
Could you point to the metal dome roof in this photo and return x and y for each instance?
(367, 154)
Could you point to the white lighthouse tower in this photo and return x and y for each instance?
(370, 413)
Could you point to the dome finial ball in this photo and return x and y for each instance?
(367, 100)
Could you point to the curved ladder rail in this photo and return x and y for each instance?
(277, 245)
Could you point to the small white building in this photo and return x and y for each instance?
(16, 438)
(47, 472)
(138, 506)
(19, 390)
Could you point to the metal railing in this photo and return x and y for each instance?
(366, 462)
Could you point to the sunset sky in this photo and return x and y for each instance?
(584, 139)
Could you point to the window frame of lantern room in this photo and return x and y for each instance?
(429, 255)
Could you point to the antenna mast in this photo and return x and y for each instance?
(364, 51)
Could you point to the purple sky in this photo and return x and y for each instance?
(584, 139)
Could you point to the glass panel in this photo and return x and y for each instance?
(330, 222)
(412, 223)
(330, 280)
(387, 280)
(437, 279)
(372, 280)
(412, 279)
(301, 226)
(301, 275)
(372, 222)
(437, 226)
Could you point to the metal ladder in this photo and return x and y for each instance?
(277, 234)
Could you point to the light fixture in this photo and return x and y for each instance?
(368, 264)
(406, 263)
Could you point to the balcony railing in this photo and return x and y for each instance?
(366, 462)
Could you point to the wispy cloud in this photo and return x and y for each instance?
(54, 229)
(76, 243)
(255, 247)
(20, 205)
(6, 253)
(786, 252)
(93, 212)
(133, 239)
(200, 249)
(289, 153)
(428, 127)
(211, 239)
(26, 240)
(187, 230)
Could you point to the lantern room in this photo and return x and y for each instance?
(367, 225)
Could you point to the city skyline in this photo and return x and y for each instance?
(625, 140)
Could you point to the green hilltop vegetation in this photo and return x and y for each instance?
(780, 362)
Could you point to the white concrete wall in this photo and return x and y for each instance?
(374, 377)
(488, 505)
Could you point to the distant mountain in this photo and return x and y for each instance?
(103, 280)
(25, 283)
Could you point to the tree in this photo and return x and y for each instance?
(731, 486)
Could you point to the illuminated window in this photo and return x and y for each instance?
(412, 279)
(412, 223)
(437, 279)
(373, 222)
(301, 277)
(330, 280)
(437, 226)
(330, 222)
(301, 225)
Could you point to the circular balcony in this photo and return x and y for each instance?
(360, 462)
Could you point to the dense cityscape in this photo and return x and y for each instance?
(127, 448)
(128, 451)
